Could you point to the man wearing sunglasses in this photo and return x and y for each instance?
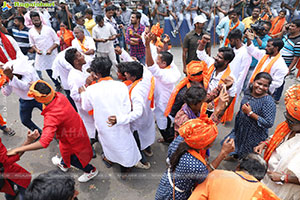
(282, 151)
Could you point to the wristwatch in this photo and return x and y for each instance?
(250, 113)
(282, 178)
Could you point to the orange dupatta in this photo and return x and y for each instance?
(200, 156)
(264, 193)
(67, 35)
(91, 112)
(280, 132)
(261, 63)
(2, 122)
(230, 29)
(3, 78)
(277, 25)
(81, 45)
(132, 86)
(151, 92)
(127, 82)
(228, 114)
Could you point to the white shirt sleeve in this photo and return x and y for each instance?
(278, 75)
(85, 100)
(73, 88)
(202, 55)
(256, 52)
(90, 43)
(22, 84)
(54, 36)
(6, 90)
(125, 56)
(166, 76)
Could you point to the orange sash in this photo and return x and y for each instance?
(127, 82)
(230, 29)
(298, 67)
(2, 122)
(263, 193)
(277, 25)
(261, 63)
(91, 112)
(81, 45)
(228, 114)
(200, 156)
(132, 86)
(280, 132)
(67, 35)
(151, 92)
(3, 78)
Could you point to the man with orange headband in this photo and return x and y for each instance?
(166, 75)
(62, 120)
(269, 60)
(187, 164)
(282, 151)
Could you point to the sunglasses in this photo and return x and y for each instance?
(289, 121)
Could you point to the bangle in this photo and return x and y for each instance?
(286, 180)
(266, 143)
(212, 167)
(250, 113)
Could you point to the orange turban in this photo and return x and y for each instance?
(199, 133)
(39, 97)
(292, 101)
(156, 30)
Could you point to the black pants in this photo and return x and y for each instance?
(138, 142)
(168, 133)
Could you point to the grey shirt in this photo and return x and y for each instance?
(177, 6)
(206, 5)
(225, 5)
(126, 16)
(159, 18)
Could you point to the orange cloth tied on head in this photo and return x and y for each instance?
(39, 97)
(199, 133)
(156, 30)
(193, 71)
(292, 101)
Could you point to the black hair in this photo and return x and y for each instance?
(277, 42)
(101, 65)
(88, 11)
(137, 14)
(65, 23)
(166, 57)
(42, 88)
(109, 8)
(231, 11)
(194, 95)
(20, 19)
(99, 18)
(235, 34)
(283, 11)
(264, 75)
(121, 68)
(254, 165)
(269, 24)
(134, 69)
(228, 53)
(296, 22)
(181, 149)
(70, 55)
(33, 14)
(51, 185)
(256, 7)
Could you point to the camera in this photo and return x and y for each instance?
(258, 27)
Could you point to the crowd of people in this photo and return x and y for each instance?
(114, 81)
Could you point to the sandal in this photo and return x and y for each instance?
(107, 163)
(9, 132)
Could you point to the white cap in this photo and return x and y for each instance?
(62, 1)
(199, 19)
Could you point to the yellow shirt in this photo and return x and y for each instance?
(89, 25)
(248, 21)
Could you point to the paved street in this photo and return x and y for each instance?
(141, 184)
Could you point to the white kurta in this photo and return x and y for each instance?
(14, 44)
(285, 159)
(43, 42)
(76, 79)
(88, 44)
(239, 67)
(165, 80)
(278, 71)
(109, 98)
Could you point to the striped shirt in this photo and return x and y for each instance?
(21, 37)
(290, 49)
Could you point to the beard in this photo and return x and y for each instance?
(38, 25)
(271, 52)
(218, 65)
(123, 9)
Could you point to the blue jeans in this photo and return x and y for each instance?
(26, 107)
(278, 92)
(21, 192)
(76, 163)
(142, 59)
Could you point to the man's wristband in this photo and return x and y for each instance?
(250, 113)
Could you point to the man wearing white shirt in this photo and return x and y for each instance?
(44, 41)
(108, 97)
(241, 63)
(269, 60)
(105, 34)
(84, 44)
(218, 69)
(21, 73)
(166, 76)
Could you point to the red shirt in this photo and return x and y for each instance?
(13, 171)
(60, 118)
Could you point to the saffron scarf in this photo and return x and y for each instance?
(132, 86)
(82, 45)
(277, 25)
(151, 92)
(67, 35)
(39, 97)
(261, 63)
(230, 29)
(9, 49)
(228, 114)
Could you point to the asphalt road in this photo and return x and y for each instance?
(141, 184)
